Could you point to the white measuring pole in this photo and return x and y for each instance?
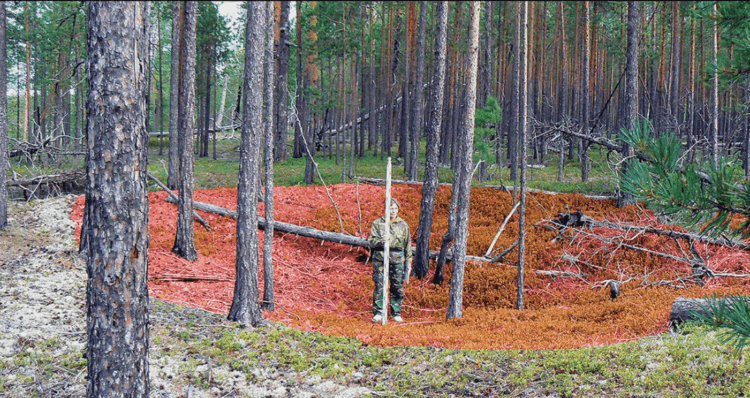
(387, 240)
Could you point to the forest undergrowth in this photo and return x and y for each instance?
(327, 288)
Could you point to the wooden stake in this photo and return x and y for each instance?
(387, 240)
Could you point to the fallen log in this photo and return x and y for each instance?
(189, 278)
(307, 232)
(685, 309)
(57, 179)
(218, 129)
(563, 274)
(200, 219)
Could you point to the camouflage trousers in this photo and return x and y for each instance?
(396, 277)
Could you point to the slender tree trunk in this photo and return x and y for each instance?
(416, 121)
(486, 66)
(3, 120)
(27, 104)
(372, 142)
(631, 86)
(523, 112)
(174, 97)
(563, 93)
(206, 104)
(282, 86)
(160, 107)
(184, 245)
(676, 67)
(408, 86)
(245, 303)
(434, 118)
(585, 90)
(117, 201)
(268, 296)
(691, 95)
(715, 95)
(300, 98)
(455, 301)
(513, 133)
(311, 75)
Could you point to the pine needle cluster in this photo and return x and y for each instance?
(697, 195)
(729, 315)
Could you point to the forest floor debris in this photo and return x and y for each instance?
(197, 353)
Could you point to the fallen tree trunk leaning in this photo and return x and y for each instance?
(684, 309)
(308, 232)
(200, 219)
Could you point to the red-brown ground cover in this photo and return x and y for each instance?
(327, 287)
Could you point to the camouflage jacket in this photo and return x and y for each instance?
(400, 240)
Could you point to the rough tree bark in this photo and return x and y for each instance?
(184, 244)
(174, 97)
(268, 300)
(429, 189)
(455, 301)
(245, 303)
(117, 201)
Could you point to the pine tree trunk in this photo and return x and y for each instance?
(485, 67)
(174, 97)
(117, 201)
(27, 104)
(563, 93)
(416, 121)
(245, 303)
(585, 89)
(282, 86)
(515, 105)
(184, 245)
(299, 146)
(434, 118)
(268, 290)
(715, 95)
(3, 120)
(523, 121)
(676, 67)
(631, 86)
(160, 107)
(310, 79)
(455, 301)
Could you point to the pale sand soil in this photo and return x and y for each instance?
(43, 323)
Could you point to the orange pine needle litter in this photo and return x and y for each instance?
(327, 287)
